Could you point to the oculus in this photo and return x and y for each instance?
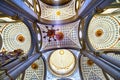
(62, 62)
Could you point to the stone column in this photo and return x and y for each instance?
(110, 59)
(105, 67)
(23, 67)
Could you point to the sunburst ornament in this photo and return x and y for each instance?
(99, 33)
(90, 62)
(59, 36)
(61, 52)
(34, 66)
(50, 33)
(20, 38)
(58, 13)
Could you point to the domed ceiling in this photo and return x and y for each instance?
(55, 11)
(59, 44)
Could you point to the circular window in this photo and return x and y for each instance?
(17, 36)
(62, 62)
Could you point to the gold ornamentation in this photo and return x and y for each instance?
(34, 66)
(58, 13)
(90, 62)
(20, 38)
(99, 33)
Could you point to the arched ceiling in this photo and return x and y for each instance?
(56, 2)
(55, 11)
